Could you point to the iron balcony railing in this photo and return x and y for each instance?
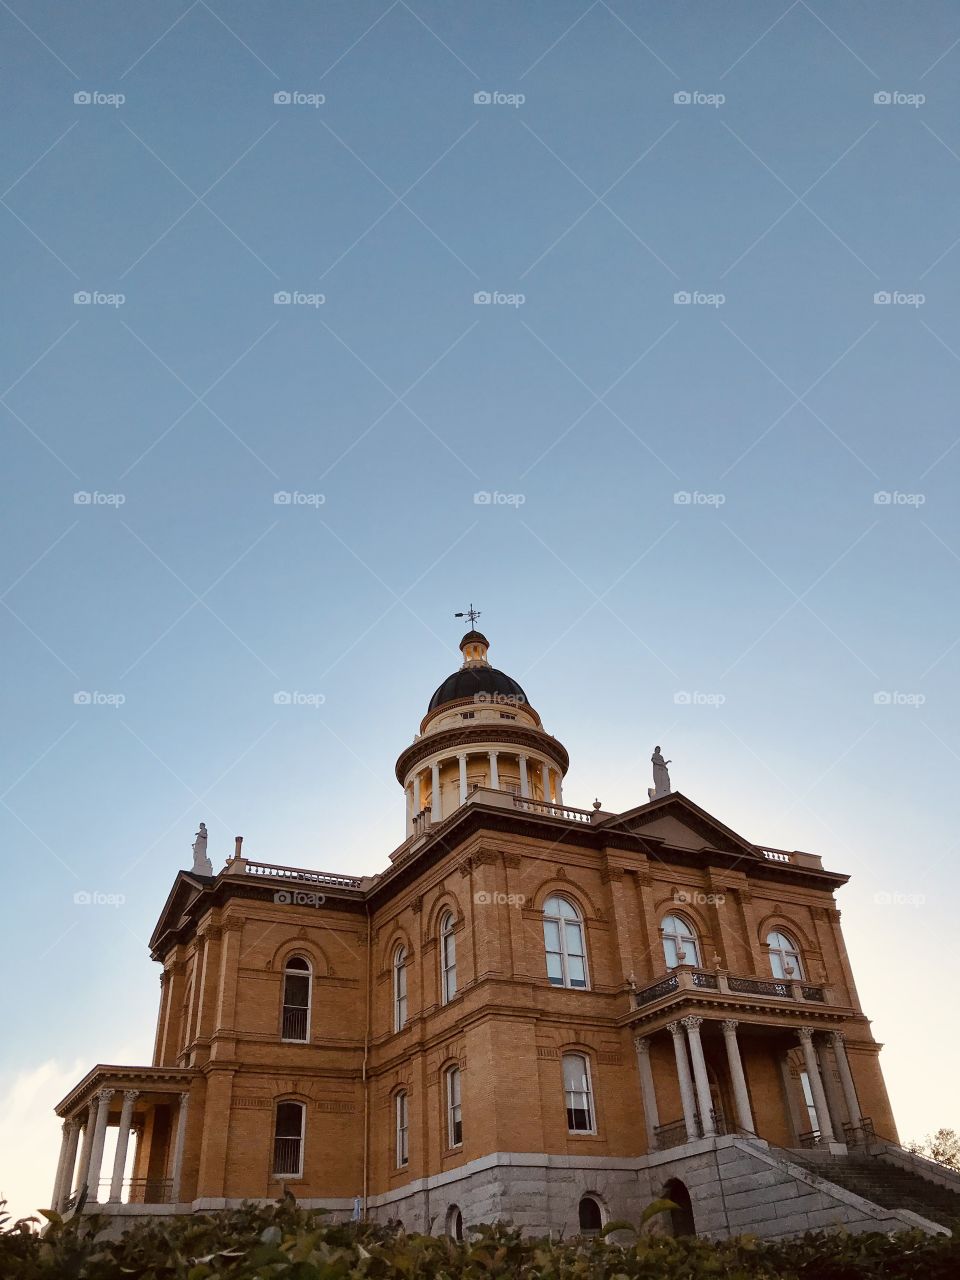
(294, 1023)
(286, 1157)
(690, 979)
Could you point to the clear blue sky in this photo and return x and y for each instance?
(796, 600)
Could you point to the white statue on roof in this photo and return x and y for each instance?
(661, 776)
(202, 866)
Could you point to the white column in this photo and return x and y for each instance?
(651, 1115)
(177, 1168)
(692, 1025)
(559, 786)
(408, 790)
(435, 791)
(683, 1076)
(805, 1036)
(846, 1078)
(735, 1063)
(416, 794)
(524, 780)
(462, 758)
(88, 1127)
(120, 1159)
(545, 780)
(69, 1165)
(494, 775)
(65, 1132)
(96, 1148)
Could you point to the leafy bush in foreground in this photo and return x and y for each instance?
(284, 1242)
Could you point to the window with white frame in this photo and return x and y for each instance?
(784, 956)
(448, 958)
(399, 988)
(403, 1130)
(288, 1140)
(295, 1020)
(680, 945)
(454, 1114)
(578, 1093)
(564, 944)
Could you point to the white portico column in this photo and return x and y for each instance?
(435, 792)
(559, 785)
(408, 791)
(120, 1159)
(69, 1165)
(524, 780)
(846, 1078)
(692, 1025)
(67, 1133)
(740, 1096)
(177, 1167)
(88, 1127)
(416, 794)
(683, 1076)
(494, 775)
(96, 1148)
(805, 1036)
(651, 1115)
(462, 758)
(545, 781)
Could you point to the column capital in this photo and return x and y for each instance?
(692, 1023)
(838, 1037)
(131, 1095)
(103, 1096)
(68, 1126)
(805, 1035)
(675, 1029)
(642, 1045)
(729, 1026)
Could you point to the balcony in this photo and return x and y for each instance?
(686, 982)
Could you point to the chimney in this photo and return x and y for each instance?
(238, 842)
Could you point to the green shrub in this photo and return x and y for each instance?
(285, 1242)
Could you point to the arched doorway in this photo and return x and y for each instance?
(681, 1218)
(454, 1223)
(590, 1216)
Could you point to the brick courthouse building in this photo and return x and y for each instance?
(536, 1012)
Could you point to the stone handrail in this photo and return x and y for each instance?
(688, 978)
(549, 810)
(276, 872)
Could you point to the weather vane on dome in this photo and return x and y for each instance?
(471, 613)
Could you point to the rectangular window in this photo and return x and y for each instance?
(296, 1005)
(288, 1140)
(579, 1099)
(454, 1116)
(468, 715)
(402, 1131)
(400, 1001)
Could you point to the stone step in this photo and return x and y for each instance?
(892, 1187)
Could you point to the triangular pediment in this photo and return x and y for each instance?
(679, 823)
(186, 889)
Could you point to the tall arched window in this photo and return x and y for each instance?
(563, 943)
(784, 956)
(448, 958)
(578, 1093)
(399, 988)
(454, 1113)
(455, 1222)
(403, 1130)
(295, 1023)
(680, 944)
(288, 1140)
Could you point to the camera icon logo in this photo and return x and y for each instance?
(482, 298)
(82, 699)
(882, 699)
(681, 698)
(282, 99)
(282, 698)
(681, 298)
(882, 99)
(683, 98)
(483, 497)
(883, 498)
(682, 498)
(282, 498)
(281, 299)
(82, 298)
(482, 99)
(82, 498)
(82, 99)
(82, 898)
(882, 298)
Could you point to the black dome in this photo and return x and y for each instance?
(470, 681)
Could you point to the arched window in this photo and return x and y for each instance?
(591, 1219)
(563, 943)
(399, 988)
(680, 944)
(784, 956)
(403, 1130)
(288, 1140)
(454, 1114)
(295, 1023)
(681, 1218)
(448, 958)
(454, 1223)
(578, 1093)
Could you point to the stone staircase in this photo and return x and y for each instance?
(889, 1185)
